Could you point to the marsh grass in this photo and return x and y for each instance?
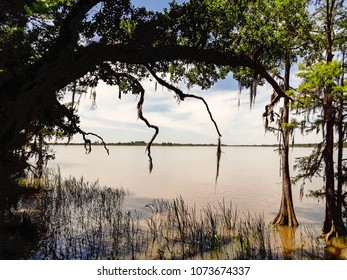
(82, 220)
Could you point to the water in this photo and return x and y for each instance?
(249, 177)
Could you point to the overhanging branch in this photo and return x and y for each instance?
(87, 142)
(42, 80)
(141, 91)
(141, 117)
(182, 96)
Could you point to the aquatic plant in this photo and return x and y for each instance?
(82, 220)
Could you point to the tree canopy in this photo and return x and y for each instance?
(50, 47)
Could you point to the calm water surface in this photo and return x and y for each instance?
(249, 176)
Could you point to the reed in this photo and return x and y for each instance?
(82, 220)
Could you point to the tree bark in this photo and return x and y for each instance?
(330, 201)
(341, 137)
(333, 223)
(286, 214)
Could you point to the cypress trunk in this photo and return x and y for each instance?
(286, 214)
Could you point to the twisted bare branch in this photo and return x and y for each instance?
(140, 112)
(141, 117)
(87, 142)
(182, 96)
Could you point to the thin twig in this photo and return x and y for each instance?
(87, 143)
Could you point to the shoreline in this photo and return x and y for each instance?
(169, 144)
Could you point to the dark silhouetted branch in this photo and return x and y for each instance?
(141, 117)
(182, 96)
(219, 155)
(87, 142)
(141, 91)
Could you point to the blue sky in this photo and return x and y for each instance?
(187, 122)
(154, 5)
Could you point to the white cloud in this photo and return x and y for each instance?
(186, 122)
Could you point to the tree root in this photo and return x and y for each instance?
(332, 232)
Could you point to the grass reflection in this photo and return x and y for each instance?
(82, 220)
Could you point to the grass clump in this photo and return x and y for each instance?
(85, 221)
(82, 220)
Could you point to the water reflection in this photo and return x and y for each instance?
(336, 248)
(249, 176)
(287, 237)
(82, 220)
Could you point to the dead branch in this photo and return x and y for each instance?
(182, 95)
(141, 117)
(140, 112)
(87, 142)
(219, 154)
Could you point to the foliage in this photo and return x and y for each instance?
(320, 99)
(311, 165)
(50, 48)
(317, 78)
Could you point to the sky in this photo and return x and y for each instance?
(154, 5)
(185, 122)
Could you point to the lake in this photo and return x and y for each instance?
(249, 177)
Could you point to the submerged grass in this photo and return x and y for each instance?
(84, 221)
(81, 220)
